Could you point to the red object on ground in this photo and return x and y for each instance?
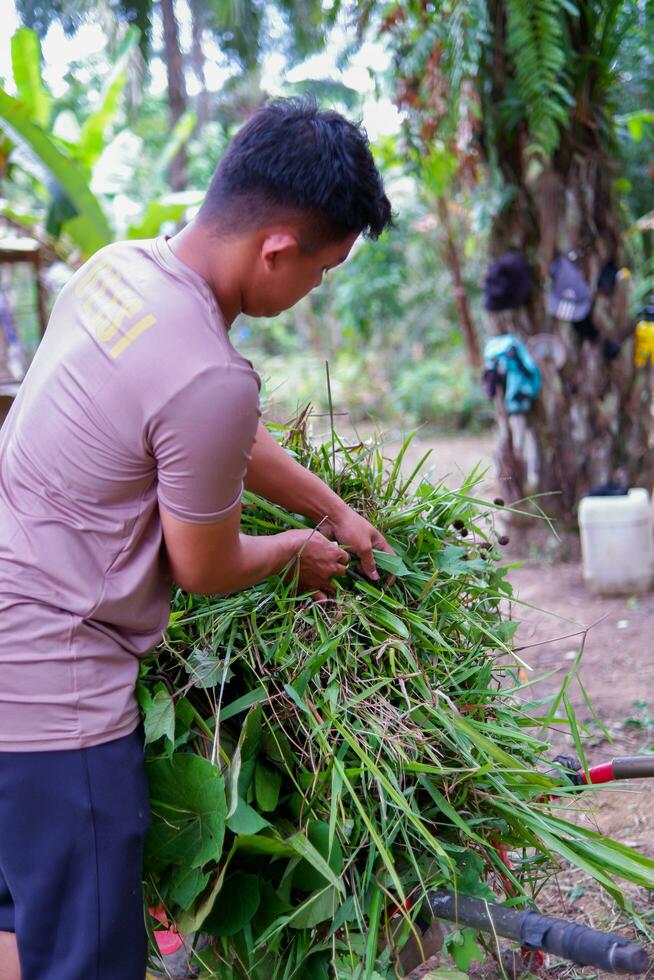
(168, 939)
(533, 959)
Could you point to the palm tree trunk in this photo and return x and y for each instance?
(592, 422)
(177, 100)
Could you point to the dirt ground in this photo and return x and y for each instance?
(558, 617)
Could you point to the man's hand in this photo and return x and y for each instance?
(273, 474)
(354, 532)
(320, 562)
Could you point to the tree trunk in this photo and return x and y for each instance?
(198, 59)
(592, 422)
(176, 87)
(453, 262)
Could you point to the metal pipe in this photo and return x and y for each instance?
(633, 766)
(582, 945)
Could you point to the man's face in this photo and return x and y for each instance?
(285, 273)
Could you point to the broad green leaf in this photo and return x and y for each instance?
(636, 128)
(463, 947)
(186, 885)
(263, 844)
(318, 909)
(453, 560)
(94, 231)
(187, 794)
(472, 879)
(235, 907)
(159, 715)
(305, 849)
(267, 783)
(391, 563)
(192, 920)
(306, 876)
(246, 820)
(381, 617)
(26, 64)
(92, 137)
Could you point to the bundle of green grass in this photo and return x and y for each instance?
(316, 769)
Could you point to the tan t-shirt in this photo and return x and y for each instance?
(135, 397)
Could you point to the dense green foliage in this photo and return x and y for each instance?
(311, 767)
(62, 158)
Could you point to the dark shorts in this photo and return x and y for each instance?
(72, 826)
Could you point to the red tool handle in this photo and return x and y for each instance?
(622, 767)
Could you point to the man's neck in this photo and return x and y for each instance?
(205, 253)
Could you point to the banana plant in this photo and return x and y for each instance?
(64, 169)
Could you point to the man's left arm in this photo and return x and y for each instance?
(273, 474)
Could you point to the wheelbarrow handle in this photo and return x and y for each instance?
(580, 944)
(633, 766)
(622, 767)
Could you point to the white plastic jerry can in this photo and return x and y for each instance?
(616, 543)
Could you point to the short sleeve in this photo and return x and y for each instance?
(201, 439)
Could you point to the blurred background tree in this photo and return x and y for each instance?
(514, 126)
(531, 93)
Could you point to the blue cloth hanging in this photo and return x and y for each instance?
(510, 365)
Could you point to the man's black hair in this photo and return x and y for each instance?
(293, 160)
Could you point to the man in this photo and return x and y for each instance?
(122, 464)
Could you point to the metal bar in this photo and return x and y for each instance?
(633, 766)
(582, 945)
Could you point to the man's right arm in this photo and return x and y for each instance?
(216, 558)
(201, 439)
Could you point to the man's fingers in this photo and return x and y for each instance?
(381, 544)
(340, 559)
(319, 597)
(367, 564)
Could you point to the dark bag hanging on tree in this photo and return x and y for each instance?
(510, 366)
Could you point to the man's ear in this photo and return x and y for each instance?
(275, 245)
